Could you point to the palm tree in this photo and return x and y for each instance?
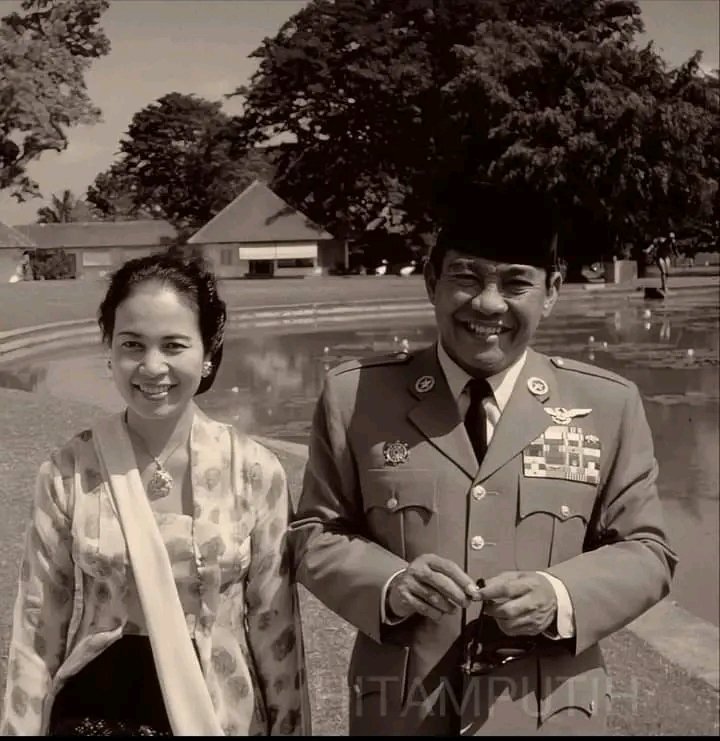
(63, 209)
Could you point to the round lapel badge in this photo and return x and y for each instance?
(424, 384)
(395, 453)
(537, 386)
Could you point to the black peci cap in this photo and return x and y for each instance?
(499, 223)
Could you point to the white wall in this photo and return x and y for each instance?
(9, 259)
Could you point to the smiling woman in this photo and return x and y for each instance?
(155, 565)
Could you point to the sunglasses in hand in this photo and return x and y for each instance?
(484, 654)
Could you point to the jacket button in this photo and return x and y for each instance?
(478, 492)
(477, 542)
(564, 511)
(391, 503)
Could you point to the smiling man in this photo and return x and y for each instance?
(484, 514)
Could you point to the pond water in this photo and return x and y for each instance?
(269, 382)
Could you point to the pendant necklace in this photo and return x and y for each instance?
(161, 482)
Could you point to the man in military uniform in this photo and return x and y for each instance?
(482, 513)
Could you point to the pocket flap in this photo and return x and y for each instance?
(561, 499)
(372, 664)
(568, 681)
(395, 490)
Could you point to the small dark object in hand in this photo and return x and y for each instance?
(484, 656)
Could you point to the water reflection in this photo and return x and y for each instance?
(269, 383)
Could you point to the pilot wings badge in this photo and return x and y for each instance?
(564, 416)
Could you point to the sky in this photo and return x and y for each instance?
(203, 47)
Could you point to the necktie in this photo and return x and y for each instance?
(475, 420)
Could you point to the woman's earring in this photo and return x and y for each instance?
(206, 368)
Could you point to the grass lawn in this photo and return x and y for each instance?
(652, 697)
(42, 302)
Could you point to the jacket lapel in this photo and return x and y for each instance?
(436, 414)
(524, 418)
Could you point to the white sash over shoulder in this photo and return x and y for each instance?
(187, 700)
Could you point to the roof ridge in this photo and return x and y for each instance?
(265, 217)
(61, 224)
(222, 210)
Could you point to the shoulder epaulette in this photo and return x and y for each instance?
(371, 361)
(578, 366)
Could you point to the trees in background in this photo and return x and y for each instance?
(622, 143)
(348, 96)
(362, 112)
(64, 208)
(371, 107)
(175, 163)
(45, 52)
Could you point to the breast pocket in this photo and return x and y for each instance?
(553, 519)
(401, 510)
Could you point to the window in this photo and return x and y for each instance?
(96, 258)
(297, 263)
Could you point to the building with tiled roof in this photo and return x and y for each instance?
(99, 246)
(259, 234)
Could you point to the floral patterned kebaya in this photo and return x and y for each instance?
(231, 567)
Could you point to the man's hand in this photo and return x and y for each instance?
(522, 602)
(431, 586)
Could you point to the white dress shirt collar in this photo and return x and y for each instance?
(501, 383)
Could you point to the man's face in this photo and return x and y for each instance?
(487, 311)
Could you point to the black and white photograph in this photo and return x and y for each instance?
(359, 367)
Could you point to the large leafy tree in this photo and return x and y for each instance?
(621, 142)
(352, 87)
(45, 51)
(381, 104)
(175, 163)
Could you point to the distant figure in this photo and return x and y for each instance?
(665, 329)
(381, 269)
(23, 271)
(407, 270)
(661, 251)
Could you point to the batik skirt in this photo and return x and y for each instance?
(116, 694)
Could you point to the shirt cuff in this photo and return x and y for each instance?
(384, 619)
(565, 618)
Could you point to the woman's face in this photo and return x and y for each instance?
(157, 351)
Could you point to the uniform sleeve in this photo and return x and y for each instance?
(43, 608)
(336, 560)
(629, 564)
(273, 617)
